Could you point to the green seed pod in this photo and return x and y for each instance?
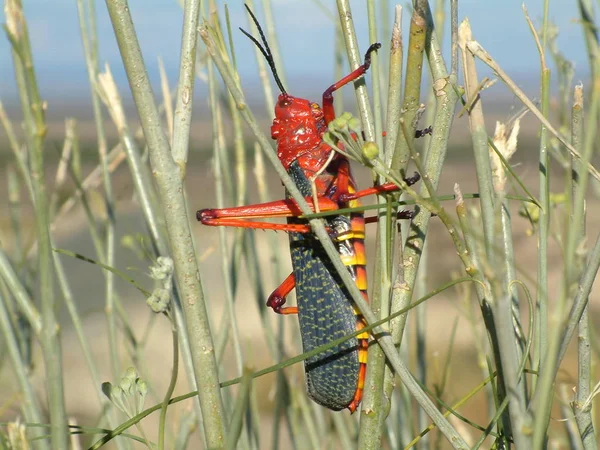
(370, 150)
(338, 124)
(355, 125)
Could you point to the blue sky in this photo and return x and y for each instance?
(305, 33)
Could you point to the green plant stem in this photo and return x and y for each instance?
(502, 306)
(476, 48)
(264, 74)
(394, 94)
(310, 425)
(229, 323)
(167, 176)
(446, 99)
(508, 321)
(138, 172)
(273, 40)
(89, 39)
(20, 294)
(187, 426)
(370, 432)
(420, 29)
(49, 335)
(142, 182)
(111, 434)
(174, 372)
(510, 274)
(421, 282)
(114, 158)
(338, 69)
(549, 326)
(328, 246)
(230, 265)
(543, 230)
(185, 88)
(580, 301)
(342, 431)
(375, 75)
(355, 59)
(394, 112)
(90, 45)
(241, 408)
(582, 406)
(398, 160)
(31, 407)
(480, 146)
(71, 305)
(16, 148)
(167, 98)
(15, 206)
(588, 143)
(590, 34)
(146, 196)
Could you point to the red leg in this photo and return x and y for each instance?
(277, 298)
(328, 111)
(237, 216)
(381, 189)
(342, 179)
(240, 223)
(363, 350)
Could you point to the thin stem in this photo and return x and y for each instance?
(273, 40)
(145, 192)
(49, 334)
(582, 406)
(90, 45)
(239, 411)
(394, 94)
(229, 324)
(419, 31)
(182, 120)
(174, 372)
(170, 187)
(370, 432)
(355, 59)
(502, 307)
(375, 74)
(31, 407)
(476, 48)
(480, 145)
(580, 301)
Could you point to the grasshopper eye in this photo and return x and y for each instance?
(284, 102)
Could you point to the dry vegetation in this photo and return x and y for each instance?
(121, 331)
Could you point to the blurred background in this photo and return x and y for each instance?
(306, 40)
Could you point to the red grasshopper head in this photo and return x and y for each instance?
(298, 125)
(298, 129)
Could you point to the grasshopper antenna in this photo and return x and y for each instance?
(266, 51)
